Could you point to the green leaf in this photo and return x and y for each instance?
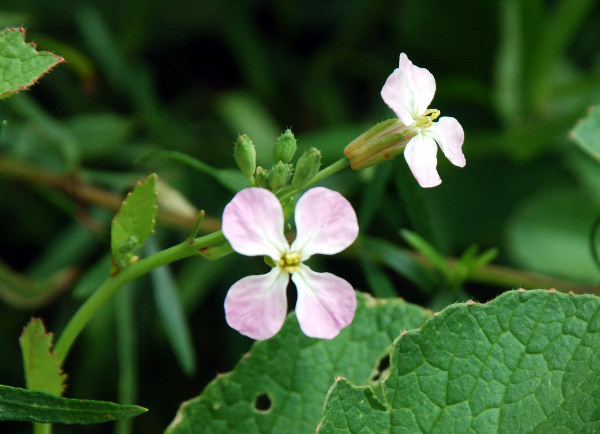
(20, 64)
(231, 179)
(42, 367)
(134, 222)
(29, 406)
(170, 309)
(401, 261)
(245, 113)
(587, 133)
(550, 234)
(99, 134)
(24, 292)
(418, 243)
(280, 385)
(524, 362)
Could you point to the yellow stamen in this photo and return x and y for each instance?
(290, 262)
(426, 120)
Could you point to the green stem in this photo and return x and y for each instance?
(194, 232)
(42, 428)
(340, 164)
(126, 275)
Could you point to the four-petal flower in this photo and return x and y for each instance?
(253, 224)
(408, 91)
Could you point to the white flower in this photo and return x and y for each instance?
(326, 223)
(408, 91)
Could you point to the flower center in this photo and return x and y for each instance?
(290, 262)
(427, 118)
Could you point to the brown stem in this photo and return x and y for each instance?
(498, 275)
(89, 194)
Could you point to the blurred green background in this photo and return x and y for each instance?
(189, 76)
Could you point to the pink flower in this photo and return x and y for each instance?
(408, 91)
(326, 223)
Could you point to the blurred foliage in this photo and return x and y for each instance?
(180, 80)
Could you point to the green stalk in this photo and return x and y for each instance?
(340, 164)
(42, 428)
(126, 275)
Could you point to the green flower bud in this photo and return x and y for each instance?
(279, 175)
(306, 168)
(244, 154)
(285, 147)
(262, 177)
(380, 143)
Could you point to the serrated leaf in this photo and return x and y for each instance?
(134, 222)
(20, 64)
(42, 367)
(524, 362)
(29, 406)
(280, 385)
(587, 133)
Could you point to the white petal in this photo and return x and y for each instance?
(325, 223)
(253, 224)
(408, 91)
(256, 305)
(449, 135)
(421, 155)
(326, 303)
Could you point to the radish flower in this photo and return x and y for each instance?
(408, 91)
(253, 224)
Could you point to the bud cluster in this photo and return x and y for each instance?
(282, 170)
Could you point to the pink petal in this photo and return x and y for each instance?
(421, 155)
(253, 224)
(449, 135)
(326, 303)
(408, 91)
(325, 223)
(256, 305)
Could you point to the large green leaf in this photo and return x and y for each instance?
(134, 222)
(29, 406)
(550, 233)
(587, 133)
(524, 362)
(280, 385)
(20, 64)
(42, 367)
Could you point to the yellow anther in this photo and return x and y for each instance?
(290, 262)
(426, 120)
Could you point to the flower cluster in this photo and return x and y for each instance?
(326, 223)
(408, 91)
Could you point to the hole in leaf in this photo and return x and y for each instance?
(262, 402)
(382, 366)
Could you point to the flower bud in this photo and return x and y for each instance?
(380, 143)
(262, 177)
(244, 154)
(279, 175)
(285, 147)
(306, 168)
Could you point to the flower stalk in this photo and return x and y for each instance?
(126, 275)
